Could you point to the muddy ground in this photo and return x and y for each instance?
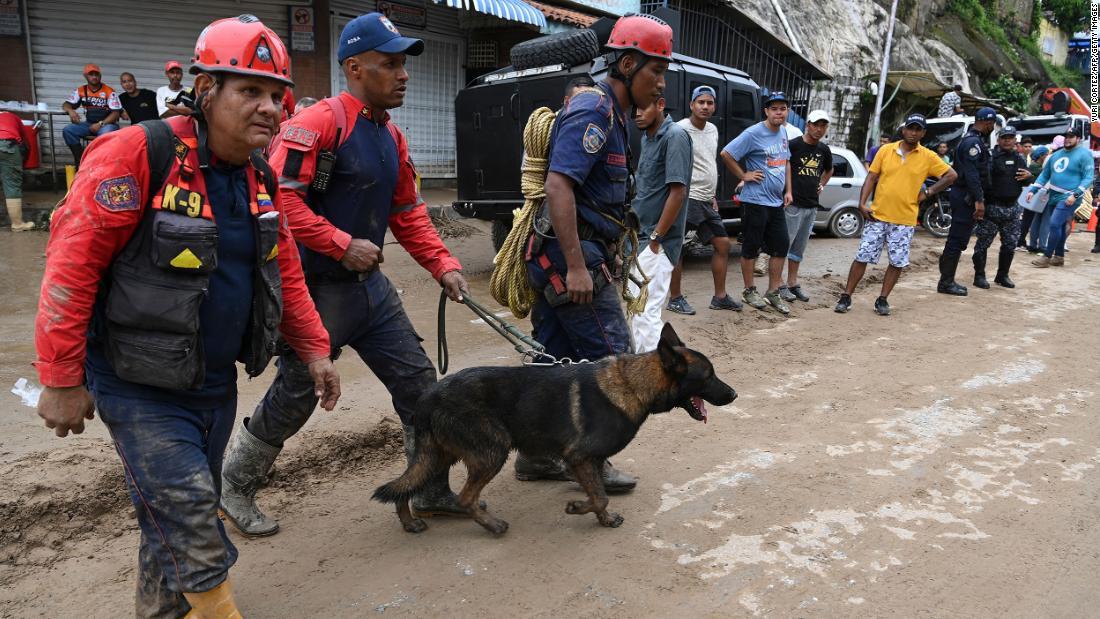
(938, 462)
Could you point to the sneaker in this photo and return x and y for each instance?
(725, 303)
(26, 226)
(1057, 261)
(760, 267)
(773, 299)
(786, 294)
(798, 294)
(680, 305)
(843, 304)
(753, 298)
(882, 308)
(1034, 250)
(1042, 262)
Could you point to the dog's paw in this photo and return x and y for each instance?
(415, 525)
(611, 519)
(496, 526)
(577, 507)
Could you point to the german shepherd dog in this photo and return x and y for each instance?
(582, 413)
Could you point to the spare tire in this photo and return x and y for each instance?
(569, 48)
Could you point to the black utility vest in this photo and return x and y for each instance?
(160, 279)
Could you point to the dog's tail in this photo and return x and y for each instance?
(426, 460)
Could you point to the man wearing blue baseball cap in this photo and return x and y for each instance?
(967, 195)
(345, 179)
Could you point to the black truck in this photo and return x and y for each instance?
(492, 111)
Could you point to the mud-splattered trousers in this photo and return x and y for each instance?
(368, 317)
(999, 218)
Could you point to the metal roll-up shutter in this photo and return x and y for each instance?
(123, 36)
(428, 116)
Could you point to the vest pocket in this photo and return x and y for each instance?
(166, 305)
(166, 360)
(184, 244)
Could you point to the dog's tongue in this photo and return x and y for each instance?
(699, 404)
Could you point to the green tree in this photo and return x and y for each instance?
(1068, 15)
(1009, 91)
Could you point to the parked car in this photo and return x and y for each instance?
(839, 213)
(951, 130)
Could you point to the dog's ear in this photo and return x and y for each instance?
(668, 334)
(672, 360)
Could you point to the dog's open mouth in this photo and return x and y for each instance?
(696, 408)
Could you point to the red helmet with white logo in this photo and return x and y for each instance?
(643, 33)
(241, 45)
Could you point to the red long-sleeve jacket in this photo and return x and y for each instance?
(315, 129)
(88, 232)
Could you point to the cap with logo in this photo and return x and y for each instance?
(92, 68)
(986, 113)
(775, 96)
(703, 90)
(375, 32)
(1008, 132)
(172, 64)
(916, 119)
(1071, 131)
(817, 116)
(241, 45)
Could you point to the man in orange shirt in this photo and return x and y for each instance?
(102, 109)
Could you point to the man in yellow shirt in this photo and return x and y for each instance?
(899, 171)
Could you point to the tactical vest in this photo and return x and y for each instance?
(159, 281)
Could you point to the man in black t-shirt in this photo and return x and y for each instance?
(139, 104)
(811, 168)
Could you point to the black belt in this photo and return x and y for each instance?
(336, 277)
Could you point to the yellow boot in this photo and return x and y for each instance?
(15, 214)
(216, 603)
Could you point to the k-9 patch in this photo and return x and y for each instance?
(118, 194)
(593, 139)
(298, 135)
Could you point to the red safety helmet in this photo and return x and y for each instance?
(643, 33)
(242, 45)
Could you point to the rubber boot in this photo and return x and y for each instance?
(949, 263)
(78, 152)
(216, 603)
(435, 498)
(531, 468)
(616, 481)
(979, 271)
(1004, 263)
(15, 214)
(244, 470)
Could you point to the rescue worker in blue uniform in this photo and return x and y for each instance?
(345, 179)
(967, 197)
(577, 313)
(1008, 176)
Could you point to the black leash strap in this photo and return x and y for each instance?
(522, 342)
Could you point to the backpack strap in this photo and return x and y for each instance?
(267, 175)
(338, 111)
(160, 151)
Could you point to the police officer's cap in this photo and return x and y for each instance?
(375, 32)
(986, 113)
(1007, 132)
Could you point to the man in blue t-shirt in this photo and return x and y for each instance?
(766, 173)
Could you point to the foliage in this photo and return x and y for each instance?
(1009, 91)
(1068, 15)
(1063, 77)
(973, 14)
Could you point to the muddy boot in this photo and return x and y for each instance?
(529, 468)
(15, 214)
(1004, 263)
(244, 470)
(216, 603)
(949, 263)
(979, 272)
(616, 481)
(435, 498)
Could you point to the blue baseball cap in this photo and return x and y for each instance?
(375, 32)
(775, 96)
(1039, 151)
(703, 90)
(916, 119)
(986, 113)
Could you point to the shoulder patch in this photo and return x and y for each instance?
(973, 151)
(593, 139)
(118, 194)
(180, 148)
(298, 135)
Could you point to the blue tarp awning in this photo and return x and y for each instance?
(512, 10)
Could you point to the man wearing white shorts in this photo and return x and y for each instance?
(899, 171)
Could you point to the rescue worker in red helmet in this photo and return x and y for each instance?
(577, 312)
(346, 178)
(169, 260)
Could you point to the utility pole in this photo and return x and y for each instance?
(875, 120)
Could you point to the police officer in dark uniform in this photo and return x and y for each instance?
(1009, 175)
(967, 196)
(577, 312)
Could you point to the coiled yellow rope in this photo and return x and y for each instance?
(508, 283)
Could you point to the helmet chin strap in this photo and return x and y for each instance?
(201, 132)
(628, 80)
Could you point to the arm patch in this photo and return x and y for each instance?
(293, 166)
